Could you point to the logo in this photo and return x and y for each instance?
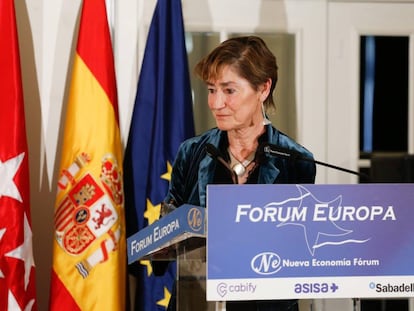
(222, 289)
(320, 221)
(392, 288)
(309, 288)
(266, 263)
(195, 219)
(239, 288)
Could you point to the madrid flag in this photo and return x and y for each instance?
(17, 271)
(89, 256)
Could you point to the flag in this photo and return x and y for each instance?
(161, 120)
(17, 269)
(89, 247)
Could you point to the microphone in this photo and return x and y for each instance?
(214, 153)
(275, 150)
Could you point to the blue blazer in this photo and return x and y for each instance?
(194, 169)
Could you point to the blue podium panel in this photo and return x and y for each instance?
(310, 241)
(181, 230)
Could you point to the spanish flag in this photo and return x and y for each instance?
(89, 255)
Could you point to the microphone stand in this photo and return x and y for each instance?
(287, 154)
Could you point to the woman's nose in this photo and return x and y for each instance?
(216, 101)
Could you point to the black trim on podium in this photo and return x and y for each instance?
(392, 167)
(389, 167)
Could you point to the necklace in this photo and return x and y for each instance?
(240, 167)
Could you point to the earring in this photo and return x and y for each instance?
(266, 121)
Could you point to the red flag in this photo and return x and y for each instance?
(17, 272)
(89, 251)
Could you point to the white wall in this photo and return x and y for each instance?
(46, 31)
(349, 21)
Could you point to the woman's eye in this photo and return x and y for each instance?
(229, 91)
(211, 91)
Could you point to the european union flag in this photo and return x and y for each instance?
(161, 120)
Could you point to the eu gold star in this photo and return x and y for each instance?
(147, 263)
(167, 175)
(164, 302)
(152, 213)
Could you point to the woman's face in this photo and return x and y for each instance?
(234, 103)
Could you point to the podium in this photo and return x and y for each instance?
(276, 242)
(179, 236)
(271, 242)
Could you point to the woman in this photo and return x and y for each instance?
(241, 75)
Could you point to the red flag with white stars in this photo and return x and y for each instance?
(17, 271)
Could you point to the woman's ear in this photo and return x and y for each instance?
(265, 89)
